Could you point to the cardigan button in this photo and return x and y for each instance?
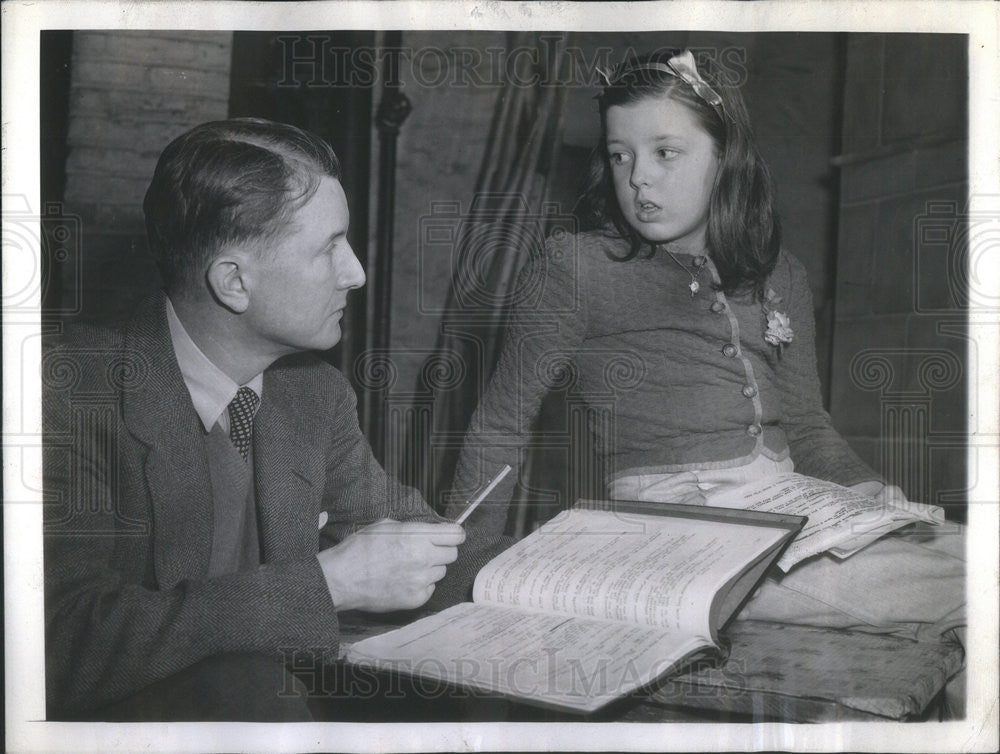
(699, 261)
(753, 430)
(749, 391)
(717, 306)
(729, 350)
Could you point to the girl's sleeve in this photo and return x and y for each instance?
(546, 327)
(817, 449)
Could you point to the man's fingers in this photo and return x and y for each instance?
(439, 555)
(446, 534)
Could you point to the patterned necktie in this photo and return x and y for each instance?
(241, 411)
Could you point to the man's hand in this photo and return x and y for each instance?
(390, 565)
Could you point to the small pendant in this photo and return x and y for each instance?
(694, 287)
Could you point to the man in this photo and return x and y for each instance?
(213, 503)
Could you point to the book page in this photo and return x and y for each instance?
(562, 662)
(840, 519)
(650, 570)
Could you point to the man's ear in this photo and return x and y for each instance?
(228, 282)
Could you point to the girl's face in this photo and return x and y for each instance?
(663, 164)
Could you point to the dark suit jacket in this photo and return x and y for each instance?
(128, 520)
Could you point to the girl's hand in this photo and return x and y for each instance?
(888, 494)
(870, 489)
(891, 496)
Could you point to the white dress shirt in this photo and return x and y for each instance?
(211, 389)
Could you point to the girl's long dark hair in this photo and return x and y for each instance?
(744, 233)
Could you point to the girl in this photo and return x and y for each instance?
(689, 331)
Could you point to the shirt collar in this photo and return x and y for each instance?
(211, 389)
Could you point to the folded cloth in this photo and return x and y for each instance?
(906, 584)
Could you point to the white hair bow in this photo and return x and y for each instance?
(682, 66)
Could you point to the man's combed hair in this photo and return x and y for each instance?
(744, 233)
(229, 183)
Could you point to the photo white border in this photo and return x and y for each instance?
(23, 614)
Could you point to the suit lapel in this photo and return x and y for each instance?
(288, 468)
(159, 413)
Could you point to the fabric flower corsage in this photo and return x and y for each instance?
(779, 326)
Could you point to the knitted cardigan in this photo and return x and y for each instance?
(673, 381)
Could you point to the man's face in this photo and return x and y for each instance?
(299, 285)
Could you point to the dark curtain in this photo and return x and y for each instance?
(507, 224)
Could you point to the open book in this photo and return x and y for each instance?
(841, 520)
(598, 602)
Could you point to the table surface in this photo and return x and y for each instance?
(773, 671)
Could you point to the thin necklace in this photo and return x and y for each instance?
(695, 286)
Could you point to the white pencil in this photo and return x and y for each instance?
(482, 495)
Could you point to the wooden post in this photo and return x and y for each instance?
(392, 112)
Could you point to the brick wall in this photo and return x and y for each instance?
(131, 93)
(900, 360)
